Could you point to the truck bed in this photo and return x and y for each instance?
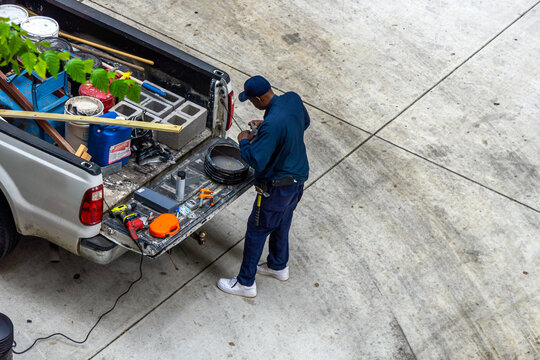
(113, 229)
(118, 187)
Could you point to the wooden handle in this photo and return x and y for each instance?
(90, 120)
(106, 48)
(107, 56)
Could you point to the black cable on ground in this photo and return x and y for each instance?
(98, 320)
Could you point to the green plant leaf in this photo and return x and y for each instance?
(75, 69)
(3, 19)
(29, 60)
(4, 29)
(23, 49)
(111, 74)
(88, 65)
(17, 28)
(15, 67)
(45, 44)
(15, 44)
(4, 52)
(119, 89)
(52, 60)
(31, 45)
(41, 68)
(64, 56)
(100, 80)
(134, 93)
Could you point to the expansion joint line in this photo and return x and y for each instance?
(374, 134)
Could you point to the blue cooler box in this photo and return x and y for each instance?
(109, 144)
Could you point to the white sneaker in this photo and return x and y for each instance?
(282, 275)
(232, 286)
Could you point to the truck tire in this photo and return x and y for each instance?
(8, 233)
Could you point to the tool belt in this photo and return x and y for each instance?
(286, 181)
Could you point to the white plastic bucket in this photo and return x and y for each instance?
(77, 132)
(39, 27)
(14, 13)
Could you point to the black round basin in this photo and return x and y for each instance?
(224, 164)
(6, 338)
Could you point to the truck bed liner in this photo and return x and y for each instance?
(196, 179)
(119, 186)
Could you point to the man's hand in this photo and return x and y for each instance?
(255, 123)
(246, 134)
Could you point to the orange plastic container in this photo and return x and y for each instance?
(164, 225)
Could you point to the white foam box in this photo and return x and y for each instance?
(191, 117)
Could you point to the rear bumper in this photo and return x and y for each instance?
(100, 250)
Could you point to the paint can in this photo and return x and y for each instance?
(14, 13)
(56, 43)
(88, 56)
(39, 27)
(77, 132)
(107, 99)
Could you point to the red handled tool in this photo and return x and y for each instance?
(132, 220)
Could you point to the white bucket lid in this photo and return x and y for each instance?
(40, 26)
(15, 13)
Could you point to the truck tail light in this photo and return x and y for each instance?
(92, 206)
(230, 107)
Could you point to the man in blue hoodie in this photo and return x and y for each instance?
(277, 153)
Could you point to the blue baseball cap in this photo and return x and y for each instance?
(254, 86)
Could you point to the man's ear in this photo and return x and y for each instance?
(258, 99)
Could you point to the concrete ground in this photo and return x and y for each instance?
(419, 232)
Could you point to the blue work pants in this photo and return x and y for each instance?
(275, 220)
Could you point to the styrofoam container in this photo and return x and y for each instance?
(39, 27)
(14, 13)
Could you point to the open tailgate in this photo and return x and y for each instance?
(114, 230)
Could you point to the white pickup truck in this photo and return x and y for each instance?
(52, 194)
